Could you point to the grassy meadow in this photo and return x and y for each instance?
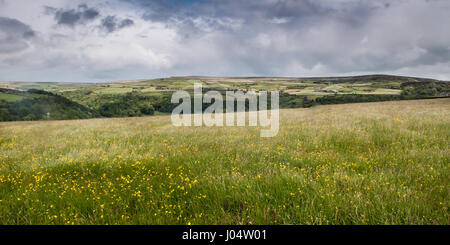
(367, 163)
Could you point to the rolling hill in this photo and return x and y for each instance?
(148, 97)
(16, 105)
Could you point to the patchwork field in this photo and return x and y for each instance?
(146, 97)
(370, 84)
(368, 163)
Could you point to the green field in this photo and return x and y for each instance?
(371, 163)
(10, 97)
(114, 90)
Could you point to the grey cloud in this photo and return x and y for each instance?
(262, 37)
(14, 35)
(292, 8)
(72, 17)
(288, 15)
(109, 23)
(125, 23)
(162, 10)
(432, 55)
(112, 23)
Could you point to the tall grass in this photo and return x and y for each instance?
(371, 163)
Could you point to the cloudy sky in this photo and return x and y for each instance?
(89, 41)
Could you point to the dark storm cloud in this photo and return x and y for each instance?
(311, 32)
(112, 23)
(250, 10)
(14, 35)
(162, 10)
(255, 15)
(72, 17)
(295, 9)
(251, 37)
(125, 23)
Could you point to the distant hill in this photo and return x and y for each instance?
(32, 100)
(35, 104)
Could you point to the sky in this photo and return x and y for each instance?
(112, 40)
